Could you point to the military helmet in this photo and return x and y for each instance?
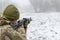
(11, 13)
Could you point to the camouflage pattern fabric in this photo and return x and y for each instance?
(7, 33)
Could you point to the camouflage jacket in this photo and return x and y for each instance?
(8, 33)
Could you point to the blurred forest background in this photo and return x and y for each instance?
(32, 5)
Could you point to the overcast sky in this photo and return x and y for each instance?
(35, 5)
(21, 2)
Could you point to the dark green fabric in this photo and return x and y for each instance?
(11, 13)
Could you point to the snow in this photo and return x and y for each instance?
(44, 26)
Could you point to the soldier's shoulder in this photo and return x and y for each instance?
(5, 28)
(9, 30)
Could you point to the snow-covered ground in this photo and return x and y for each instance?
(44, 26)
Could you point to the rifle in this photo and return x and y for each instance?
(24, 22)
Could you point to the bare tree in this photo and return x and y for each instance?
(46, 5)
(35, 4)
(57, 5)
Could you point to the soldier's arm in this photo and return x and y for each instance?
(3, 21)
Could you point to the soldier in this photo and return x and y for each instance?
(11, 29)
